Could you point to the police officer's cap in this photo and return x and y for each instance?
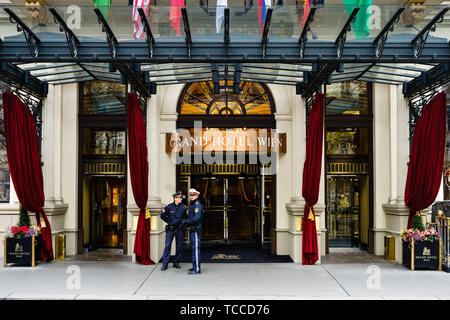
(178, 194)
(193, 191)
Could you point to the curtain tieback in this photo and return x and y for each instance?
(147, 213)
(311, 214)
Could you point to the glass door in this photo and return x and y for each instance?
(213, 197)
(231, 207)
(343, 210)
(108, 205)
(242, 207)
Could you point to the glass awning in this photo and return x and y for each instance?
(288, 44)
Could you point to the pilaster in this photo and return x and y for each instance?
(395, 211)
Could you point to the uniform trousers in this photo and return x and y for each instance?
(178, 234)
(194, 239)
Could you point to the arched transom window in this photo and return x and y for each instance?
(198, 98)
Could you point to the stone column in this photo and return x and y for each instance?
(51, 153)
(295, 207)
(156, 148)
(396, 212)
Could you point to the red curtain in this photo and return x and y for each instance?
(311, 179)
(25, 164)
(137, 148)
(427, 156)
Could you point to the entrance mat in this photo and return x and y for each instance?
(103, 254)
(232, 252)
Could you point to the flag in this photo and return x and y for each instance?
(262, 12)
(306, 9)
(138, 25)
(361, 26)
(220, 13)
(175, 14)
(103, 5)
(308, 5)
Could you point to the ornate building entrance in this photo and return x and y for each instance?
(237, 192)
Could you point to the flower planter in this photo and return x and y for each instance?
(422, 255)
(24, 251)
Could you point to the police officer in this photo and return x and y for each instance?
(174, 214)
(194, 222)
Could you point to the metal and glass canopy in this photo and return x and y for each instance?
(284, 44)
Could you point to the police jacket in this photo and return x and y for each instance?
(194, 216)
(174, 214)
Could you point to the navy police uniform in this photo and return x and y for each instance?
(194, 222)
(174, 215)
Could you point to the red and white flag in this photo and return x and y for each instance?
(138, 25)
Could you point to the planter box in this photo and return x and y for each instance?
(422, 255)
(22, 250)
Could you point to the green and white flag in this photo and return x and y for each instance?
(103, 5)
(361, 26)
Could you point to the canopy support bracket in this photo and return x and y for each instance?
(314, 80)
(148, 32)
(110, 37)
(32, 40)
(265, 34)
(381, 38)
(187, 31)
(342, 37)
(133, 74)
(72, 41)
(304, 35)
(421, 38)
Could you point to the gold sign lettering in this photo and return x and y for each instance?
(238, 140)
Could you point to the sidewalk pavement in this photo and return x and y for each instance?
(131, 281)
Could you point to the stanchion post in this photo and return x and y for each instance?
(5, 263)
(33, 253)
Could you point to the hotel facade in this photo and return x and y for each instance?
(239, 139)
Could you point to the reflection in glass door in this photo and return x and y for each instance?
(212, 195)
(232, 208)
(242, 207)
(108, 211)
(343, 210)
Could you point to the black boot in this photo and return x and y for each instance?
(194, 272)
(177, 265)
(163, 268)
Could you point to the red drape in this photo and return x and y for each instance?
(427, 156)
(137, 153)
(311, 179)
(25, 164)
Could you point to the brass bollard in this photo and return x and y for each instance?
(60, 247)
(33, 252)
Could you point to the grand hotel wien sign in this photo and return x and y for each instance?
(213, 140)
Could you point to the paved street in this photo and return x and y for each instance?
(128, 280)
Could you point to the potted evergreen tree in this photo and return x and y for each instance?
(22, 242)
(421, 246)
